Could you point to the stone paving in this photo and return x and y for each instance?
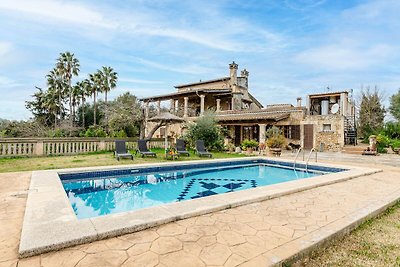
(257, 234)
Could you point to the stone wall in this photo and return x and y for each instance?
(333, 139)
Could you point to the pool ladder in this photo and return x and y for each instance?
(308, 158)
(297, 154)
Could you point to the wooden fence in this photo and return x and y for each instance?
(13, 147)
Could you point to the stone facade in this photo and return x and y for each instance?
(245, 117)
(328, 131)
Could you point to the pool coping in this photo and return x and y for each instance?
(51, 224)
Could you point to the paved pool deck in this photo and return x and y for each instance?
(258, 234)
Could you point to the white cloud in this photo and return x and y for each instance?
(344, 56)
(57, 11)
(139, 81)
(302, 5)
(5, 48)
(7, 83)
(189, 69)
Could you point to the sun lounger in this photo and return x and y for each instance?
(181, 147)
(120, 150)
(143, 150)
(201, 149)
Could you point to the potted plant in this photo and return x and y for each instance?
(230, 147)
(249, 145)
(276, 140)
(171, 153)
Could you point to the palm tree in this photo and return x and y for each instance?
(85, 91)
(76, 97)
(69, 66)
(56, 86)
(95, 86)
(108, 81)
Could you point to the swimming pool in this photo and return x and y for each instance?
(93, 194)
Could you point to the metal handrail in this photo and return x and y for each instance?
(297, 154)
(309, 155)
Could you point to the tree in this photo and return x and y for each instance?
(125, 114)
(108, 81)
(38, 107)
(55, 94)
(84, 90)
(68, 65)
(205, 128)
(394, 106)
(371, 112)
(95, 86)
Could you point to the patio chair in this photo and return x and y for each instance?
(201, 149)
(143, 150)
(181, 147)
(120, 150)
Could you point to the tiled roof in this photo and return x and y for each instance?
(185, 93)
(251, 115)
(328, 93)
(202, 82)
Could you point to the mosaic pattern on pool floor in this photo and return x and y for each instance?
(100, 196)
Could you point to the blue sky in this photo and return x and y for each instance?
(290, 47)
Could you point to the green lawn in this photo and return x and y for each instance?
(87, 160)
(374, 243)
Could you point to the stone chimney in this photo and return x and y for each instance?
(299, 101)
(233, 67)
(245, 74)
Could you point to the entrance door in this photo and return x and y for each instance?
(237, 135)
(308, 140)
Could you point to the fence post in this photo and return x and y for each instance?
(39, 151)
(102, 145)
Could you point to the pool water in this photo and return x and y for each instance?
(98, 196)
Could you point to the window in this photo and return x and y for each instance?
(296, 132)
(326, 127)
(291, 131)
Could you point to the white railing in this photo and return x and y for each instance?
(14, 147)
(295, 159)
(309, 156)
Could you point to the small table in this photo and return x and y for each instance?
(171, 156)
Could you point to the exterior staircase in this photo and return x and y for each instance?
(350, 131)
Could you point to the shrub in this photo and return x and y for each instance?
(395, 143)
(95, 131)
(57, 133)
(207, 129)
(249, 144)
(392, 130)
(276, 139)
(382, 142)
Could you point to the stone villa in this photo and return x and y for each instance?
(325, 122)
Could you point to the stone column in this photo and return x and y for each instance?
(185, 106)
(262, 133)
(146, 116)
(172, 107)
(158, 106)
(299, 102)
(218, 105)
(343, 104)
(146, 110)
(102, 145)
(176, 105)
(202, 104)
(39, 150)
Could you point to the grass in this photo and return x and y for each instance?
(87, 160)
(374, 243)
